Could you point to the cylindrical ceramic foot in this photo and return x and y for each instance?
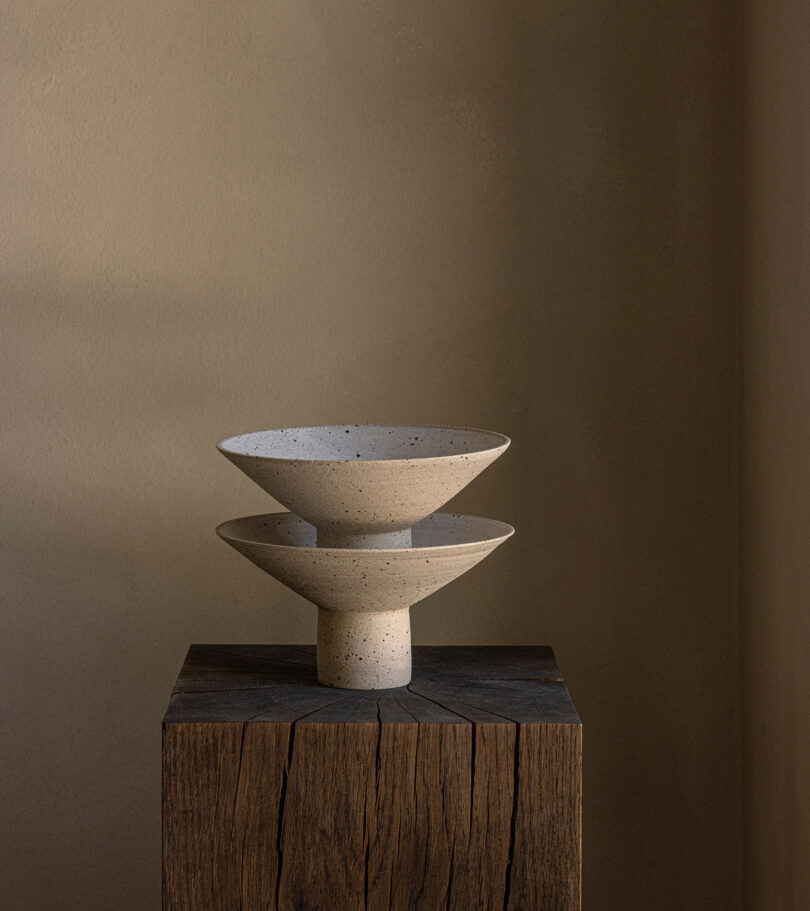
(391, 540)
(364, 650)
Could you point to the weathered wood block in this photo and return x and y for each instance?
(460, 791)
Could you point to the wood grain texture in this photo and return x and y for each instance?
(546, 820)
(200, 772)
(323, 837)
(459, 792)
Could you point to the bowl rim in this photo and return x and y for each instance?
(508, 531)
(504, 444)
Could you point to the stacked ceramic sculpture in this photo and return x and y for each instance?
(363, 541)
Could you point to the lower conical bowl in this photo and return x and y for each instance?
(363, 596)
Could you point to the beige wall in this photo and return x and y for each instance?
(777, 457)
(225, 216)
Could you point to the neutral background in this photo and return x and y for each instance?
(776, 488)
(583, 224)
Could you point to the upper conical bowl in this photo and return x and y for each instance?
(363, 479)
(444, 547)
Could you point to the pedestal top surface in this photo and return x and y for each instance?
(450, 685)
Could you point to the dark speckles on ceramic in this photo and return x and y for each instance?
(355, 482)
(363, 595)
(364, 541)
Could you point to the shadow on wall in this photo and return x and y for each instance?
(492, 216)
(630, 256)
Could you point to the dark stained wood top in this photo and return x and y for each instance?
(451, 684)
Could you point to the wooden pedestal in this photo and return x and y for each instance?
(460, 791)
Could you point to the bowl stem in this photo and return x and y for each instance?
(393, 539)
(364, 650)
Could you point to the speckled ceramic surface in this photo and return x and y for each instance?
(364, 485)
(363, 596)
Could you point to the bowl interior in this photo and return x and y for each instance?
(363, 442)
(438, 530)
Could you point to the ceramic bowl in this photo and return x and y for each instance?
(363, 596)
(364, 485)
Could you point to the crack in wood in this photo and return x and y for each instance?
(238, 775)
(513, 823)
(379, 740)
(233, 814)
(405, 709)
(285, 774)
(465, 703)
(450, 876)
(435, 702)
(473, 744)
(367, 841)
(416, 760)
(272, 685)
(297, 718)
(471, 705)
